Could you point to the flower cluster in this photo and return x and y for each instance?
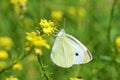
(48, 27)
(5, 45)
(19, 6)
(37, 41)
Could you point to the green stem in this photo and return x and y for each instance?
(110, 21)
(43, 68)
(111, 46)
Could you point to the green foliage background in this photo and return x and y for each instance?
(92, 31)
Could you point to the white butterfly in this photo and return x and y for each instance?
(67, 50)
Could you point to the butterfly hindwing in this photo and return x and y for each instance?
(62, 53)
(81, 53)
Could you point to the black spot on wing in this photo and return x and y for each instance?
(76, 54)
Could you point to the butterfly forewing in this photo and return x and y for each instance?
(81, 53)
(62, 53)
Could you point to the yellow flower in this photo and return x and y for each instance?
(76, 79)
(72, 10)
(118, 43)
(31, 36)
(38, 51)
(37, 40)
(57, 15)
(11, 78)
(6, 43)
(3, 54)
(48, 30)
(19, 6)
(81, 12)
(47, 26)
(18, 66)
(44, 23)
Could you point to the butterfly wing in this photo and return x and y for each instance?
(62, 53)
(81, 53)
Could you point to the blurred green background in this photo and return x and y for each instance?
(87, 20)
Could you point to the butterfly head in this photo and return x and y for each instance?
(61, 32)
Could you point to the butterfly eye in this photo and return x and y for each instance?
(76, 54)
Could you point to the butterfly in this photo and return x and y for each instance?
(67, 51)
